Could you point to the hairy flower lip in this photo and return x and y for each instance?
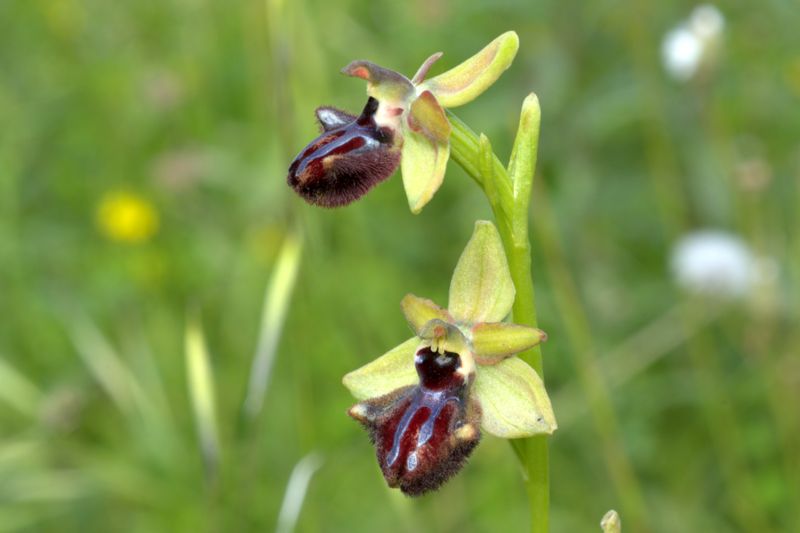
(349, 157)
(424, 433)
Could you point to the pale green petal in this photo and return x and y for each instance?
(423, 165)
(481, 289)
(513, 400)
(424, 68)
(465, 82)
(389, 372)
(426, 148)
(419, 311)
(494, 341)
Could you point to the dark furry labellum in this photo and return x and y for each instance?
(423, 434)
(352, 155)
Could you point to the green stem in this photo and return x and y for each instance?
(508, 193)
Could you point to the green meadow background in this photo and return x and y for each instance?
(129, 397)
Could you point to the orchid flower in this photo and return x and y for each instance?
(425, 402)
(403, 123)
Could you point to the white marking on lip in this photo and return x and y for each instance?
(411, 462)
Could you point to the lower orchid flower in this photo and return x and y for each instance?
(403, 124)
(425, 402)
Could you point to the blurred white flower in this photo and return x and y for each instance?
(692, 43)
(681, 52)
(717, 263)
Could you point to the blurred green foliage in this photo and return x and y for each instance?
(196, 107)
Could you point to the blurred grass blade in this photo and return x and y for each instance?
(296, 491)
(276, 302)
(143, 365)
(129, 388)
(201, 394)
(17, 391)
(105, 364)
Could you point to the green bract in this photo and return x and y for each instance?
(511, 394)
(414, 109)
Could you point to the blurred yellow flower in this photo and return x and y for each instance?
(127, 217)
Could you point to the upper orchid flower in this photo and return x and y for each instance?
(425, 402)
(353, 154)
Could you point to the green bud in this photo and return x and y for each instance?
(611, 522)
(523, 156)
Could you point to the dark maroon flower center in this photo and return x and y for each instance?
(438, 371)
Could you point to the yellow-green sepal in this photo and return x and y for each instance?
(482, 289)
(513, 400)
(466, 81)
(492, 342)
(426, 149)
(389, 372)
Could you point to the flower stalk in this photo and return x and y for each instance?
(508, 192)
